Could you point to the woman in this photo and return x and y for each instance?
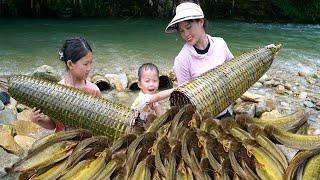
(201, 52)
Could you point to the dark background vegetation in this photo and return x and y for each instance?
(249, 10)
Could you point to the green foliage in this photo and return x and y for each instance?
(11, 7)
(306, 11)
(295, 10)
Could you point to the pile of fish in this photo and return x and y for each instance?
(181, 144)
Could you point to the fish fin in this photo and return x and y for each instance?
(228, 124)
(269, 129)
(255, 130)
(241, 119)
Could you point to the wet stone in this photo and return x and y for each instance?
(280, 90)
(47, 72)
(288, 86)
(303, 95)
(7, 116)
(302, 74)
(311, 80)
(257, 85)
(264, 106)
(4, 97)
(309, 104)
(1, 105)
(245, 108)
(6, 160)
(264, 78)
(248, 96)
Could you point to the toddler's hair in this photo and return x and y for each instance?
(74, 49)
(147, 66)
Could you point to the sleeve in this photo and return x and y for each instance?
(141, 101)
(228, 53)
(181, 69)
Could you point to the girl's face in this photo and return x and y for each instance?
(149, 81)
(81, 68)
(191, 31)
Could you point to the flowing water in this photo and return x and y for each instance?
(124, 44)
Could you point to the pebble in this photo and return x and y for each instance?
(309, 104)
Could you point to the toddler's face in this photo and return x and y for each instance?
(149, 81)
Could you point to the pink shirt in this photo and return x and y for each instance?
(189, 64)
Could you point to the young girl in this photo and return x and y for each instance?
(147, 101)
(201, 52)
(76, 53)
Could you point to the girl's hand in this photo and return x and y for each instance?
(36, 115)
(41, 119)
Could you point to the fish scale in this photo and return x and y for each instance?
(217, 88)
(72, 106)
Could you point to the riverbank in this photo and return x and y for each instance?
(281, 91)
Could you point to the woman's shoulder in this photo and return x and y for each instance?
(217, 39)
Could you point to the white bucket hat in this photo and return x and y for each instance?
(184, 11)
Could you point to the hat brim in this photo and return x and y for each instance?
(172, 26)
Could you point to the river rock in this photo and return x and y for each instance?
(270, 115)
(20, 107)
(303, 96)
(4, 97)
(27, 128)
(6, 160)
(1, 106)
(123, 80)
(310, 80)
(8, 128)
(264, 78)
(309, 104)
(257, 85)
(248, 96)
(266, 105)
(245, 108)
(25, 142)
(24, 115)
(119, 82)
(48, 73)
(12, 105)
(7, 142)
(7, 116)
(281, 90)
(302, 73)
(288, 86)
